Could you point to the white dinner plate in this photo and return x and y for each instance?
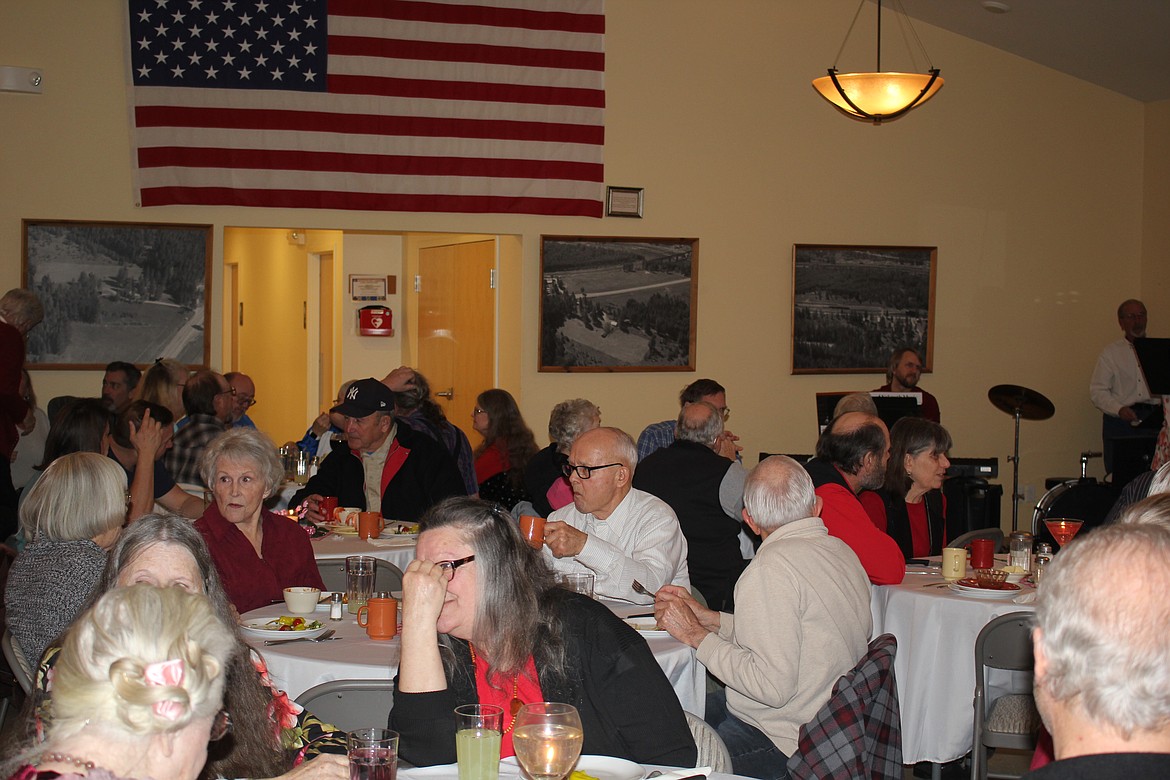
(645, 626)
(984, 593)
(262, 628)
(601, 767)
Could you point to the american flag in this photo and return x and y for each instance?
(375, 105)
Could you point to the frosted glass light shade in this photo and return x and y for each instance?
(878, 95)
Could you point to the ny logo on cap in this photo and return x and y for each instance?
(351, 394)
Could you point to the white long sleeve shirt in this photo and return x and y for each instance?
(641, 540)
(1117, 379)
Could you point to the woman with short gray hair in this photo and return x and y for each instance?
(258, 553)
(72, 516)
(544, 479)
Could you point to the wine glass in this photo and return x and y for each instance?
(547, 737)
(1063, 529)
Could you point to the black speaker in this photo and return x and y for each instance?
(972, 503)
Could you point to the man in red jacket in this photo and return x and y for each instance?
(851, 457)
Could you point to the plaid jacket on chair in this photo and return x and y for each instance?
(858, 733)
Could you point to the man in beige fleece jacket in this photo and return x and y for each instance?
(801, 620)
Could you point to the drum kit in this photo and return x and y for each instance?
(1022, 404)
(1068, 499)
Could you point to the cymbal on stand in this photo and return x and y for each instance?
(1030, 404)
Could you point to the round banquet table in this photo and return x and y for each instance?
(298, 666)
(397, 549)
(935, 665)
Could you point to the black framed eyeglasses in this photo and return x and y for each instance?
(585, 472)
(245, 401)
(449, 567)
(221, 726)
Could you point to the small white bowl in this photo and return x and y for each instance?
(301, 601)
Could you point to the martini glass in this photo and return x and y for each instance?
(547, 739)
(1063, 529)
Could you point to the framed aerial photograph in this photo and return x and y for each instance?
(854, 305)
(618, 304)
(117, 291)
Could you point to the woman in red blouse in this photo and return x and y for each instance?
(508, 445)
(258, 553)
(910, 506)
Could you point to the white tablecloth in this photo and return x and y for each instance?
(935, 665)
(398, 550)
(299, 666)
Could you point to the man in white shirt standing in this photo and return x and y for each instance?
(612, 530)
(1118, 387)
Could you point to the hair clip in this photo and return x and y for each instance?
(169, 673)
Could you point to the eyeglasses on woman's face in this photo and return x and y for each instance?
(449, 567)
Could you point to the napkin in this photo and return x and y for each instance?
(394, 541)
(1025, 598)
(678, 774)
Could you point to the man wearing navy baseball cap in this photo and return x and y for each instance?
(380, 464)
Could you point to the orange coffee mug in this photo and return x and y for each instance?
(379, 617)
(370, 524)
(532, 529)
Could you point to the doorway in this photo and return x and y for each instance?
(456, 315)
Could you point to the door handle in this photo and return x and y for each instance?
(448, 394)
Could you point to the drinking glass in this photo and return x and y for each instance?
(1063, 529)
(547, 737)
(373, 754)
(579, 583)
(477, 740)
(359, 580)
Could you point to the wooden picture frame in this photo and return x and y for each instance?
(618, 304)
(117, 291)
(853, 305)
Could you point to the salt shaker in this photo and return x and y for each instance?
(1043, 558)
(336, 607)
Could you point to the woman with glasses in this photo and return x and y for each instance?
(137, 690)
(272, 734)
(484, 622)
(507, 446)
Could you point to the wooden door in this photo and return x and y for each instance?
(457, 326)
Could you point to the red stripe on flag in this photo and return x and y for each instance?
(320, 121)
(268, 159)
(358, 201)
(162, 116)
(456, 90)
(439, 51)
(443, 13)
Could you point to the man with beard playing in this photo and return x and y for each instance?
(902, 377)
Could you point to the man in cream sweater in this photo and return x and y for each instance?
(802, 620)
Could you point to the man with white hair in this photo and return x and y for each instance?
(802, 619)
(613, 530)
(1102, 676)
(705, 490)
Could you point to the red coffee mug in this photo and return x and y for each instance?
(983, 554)
(326, 507)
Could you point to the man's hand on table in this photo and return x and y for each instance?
(564, 540)
(677, 612)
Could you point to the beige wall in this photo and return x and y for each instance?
(1045, 195)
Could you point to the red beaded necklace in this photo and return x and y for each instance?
(515, 704)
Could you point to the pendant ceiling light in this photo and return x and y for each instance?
(878, 97)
